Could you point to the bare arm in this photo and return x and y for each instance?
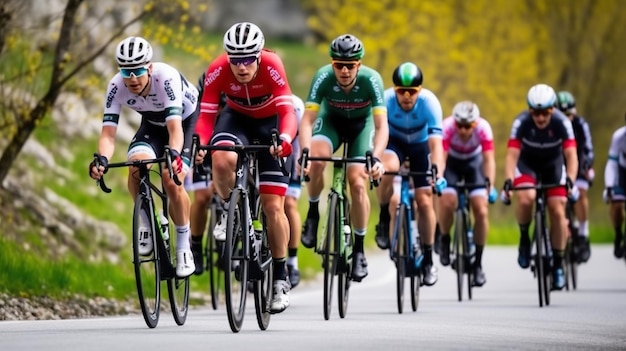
(106, 143)
(571, 162)
(436, 154)
(381, 136)
(306, 129)
(489, 166)
(177, 137)
(512, 156)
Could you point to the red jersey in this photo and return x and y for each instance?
(267, 95)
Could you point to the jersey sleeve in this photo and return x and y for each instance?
(611, 169)
(172, 90)
(112, 104)
(379, 105)
(448, 132)
(587, 143)
(287, 120)
(316, 90)
(514, 137)
(435, 116)
(210, 99)
(485, 134)
(569, 140)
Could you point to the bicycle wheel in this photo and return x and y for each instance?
(547, 266)
(263, 287)
(344, 256)
(330, 254)
(468, 258)
(212, 256)
(539, 263)
(415, 290)
(459, 251)
(567, 260)
(236, 267)
(178, 290)
(147, 269)
(400, 253)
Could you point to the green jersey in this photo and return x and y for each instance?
(365, 98)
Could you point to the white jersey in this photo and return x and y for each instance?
(617, 158)
(170, 96)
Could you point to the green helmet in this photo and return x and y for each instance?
(346, 47)
(565, 100)
(407, 75)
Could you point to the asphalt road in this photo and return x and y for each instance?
(504, 314)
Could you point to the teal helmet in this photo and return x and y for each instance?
(346, 47)
(565, 100)
(407, 75)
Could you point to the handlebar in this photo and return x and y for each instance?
(368, 161)
(137, 163)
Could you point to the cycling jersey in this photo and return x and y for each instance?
(481, 139)
(616, 164)
(541, 146)
(346, 117)
(170, 96)
(584, 147)
(417, 125)
(267, 95)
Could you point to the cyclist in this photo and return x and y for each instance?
(258, 99)
(167, 104)
(542, 145)
(615, 183)
(584, 150)
(291, 204)
(469, 153)
(414, 117)
(346, 97)
(199, 182)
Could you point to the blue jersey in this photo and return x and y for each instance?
(416, 125)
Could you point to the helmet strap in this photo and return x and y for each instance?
(145, 86)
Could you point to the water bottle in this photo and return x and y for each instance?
(164, 226)
(417, 248)
(472, 246)
(347, 232)
(414, 231)
(256, 238)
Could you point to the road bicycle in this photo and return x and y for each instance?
(160, 264)
(541, 262)
(246, 256)
(405, 249)
(463, 247)
(571, 258)
(335, 240)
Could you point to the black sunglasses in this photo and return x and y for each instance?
(340, 65)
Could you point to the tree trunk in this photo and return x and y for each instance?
(44, 105)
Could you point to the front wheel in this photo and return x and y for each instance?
(400, 253)
(147, 269)
(178, 291)
(330, 254)
(236, 264)
(263, 287)
(212, 256)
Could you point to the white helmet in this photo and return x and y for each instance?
(298, 105)
(133, 52)
(465, 112)
(244, 39)
(541, 97)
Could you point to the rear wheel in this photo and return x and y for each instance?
(178, 290)
(415, 291)
(147, 269)
(400, 253)
(344, 256)
(330, 254)
(547, 267)
(236, 265)
(263, 287)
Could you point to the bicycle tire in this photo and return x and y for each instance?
(539, 267)
(263, 287)
(547, 282)
(415, 291)
(147, 268)
(236, 266)
(459, 252)
(573, 272)
(467, 264)
(177, 290)
(567, 260)
(212, 256)
(330, 254)
(343, 274)
(400, 253)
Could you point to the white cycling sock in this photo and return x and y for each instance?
(583, 229)
(182, 237)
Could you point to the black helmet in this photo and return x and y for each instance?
(346, 47)
(407, 75)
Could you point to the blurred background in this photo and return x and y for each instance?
(56, 58)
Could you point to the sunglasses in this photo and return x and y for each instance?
(466, 125)
(246, 61)
(133, 72)
(341, 64)
(411, 90)
(545, 113)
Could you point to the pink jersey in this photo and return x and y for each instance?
(480, 141)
